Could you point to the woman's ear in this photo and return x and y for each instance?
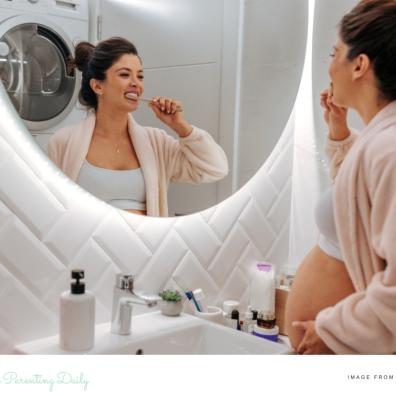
(362, 65)
(96, 86)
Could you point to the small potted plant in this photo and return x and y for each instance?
(171, 303)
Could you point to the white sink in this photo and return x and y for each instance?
(156, 334)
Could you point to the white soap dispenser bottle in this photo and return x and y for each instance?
(77, 316)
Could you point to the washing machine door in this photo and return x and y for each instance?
(35, 68)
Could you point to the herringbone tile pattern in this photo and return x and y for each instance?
(48, 226)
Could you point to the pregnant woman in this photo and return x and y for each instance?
(344, 296)
(322, 279)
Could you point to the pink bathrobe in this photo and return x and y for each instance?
(365, 216)
(196, 158)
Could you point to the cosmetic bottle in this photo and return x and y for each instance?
(254, 318)
(235, 320)
(228, 307)
(248, 322)
(77, 316)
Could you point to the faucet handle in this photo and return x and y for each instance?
(124, 281)
(150, 299)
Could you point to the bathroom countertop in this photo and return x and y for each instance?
(154, 333)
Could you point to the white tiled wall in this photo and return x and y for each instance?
(48, 226)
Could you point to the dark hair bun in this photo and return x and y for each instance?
(93, 62)
(83, 54)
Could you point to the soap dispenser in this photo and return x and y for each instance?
(77, 316)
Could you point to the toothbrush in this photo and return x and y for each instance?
(145, 99)
(190, 296)
(199, 296)
(133, 96)
(331, 89)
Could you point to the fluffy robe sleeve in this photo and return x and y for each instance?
(336, 150)
(365, 322)
(196, 158)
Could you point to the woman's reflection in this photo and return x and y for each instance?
(114, 158)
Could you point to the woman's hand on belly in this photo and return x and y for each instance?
(311, 343)
(135, 211)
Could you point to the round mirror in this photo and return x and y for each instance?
(235, 65)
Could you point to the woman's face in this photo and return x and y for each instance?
(124, 77)
(341, 73)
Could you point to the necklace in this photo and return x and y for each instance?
(117, 146)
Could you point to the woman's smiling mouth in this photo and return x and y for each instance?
(132, 95)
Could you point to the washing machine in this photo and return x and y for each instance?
(37, 39)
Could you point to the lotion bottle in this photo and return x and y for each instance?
(77, 316)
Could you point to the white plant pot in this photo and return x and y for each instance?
(170, 308)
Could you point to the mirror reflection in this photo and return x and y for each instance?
(231, 80)
(111, 155)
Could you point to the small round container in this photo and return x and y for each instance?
(230, 305)
(266, 319)
(213, 314)
(269, 334)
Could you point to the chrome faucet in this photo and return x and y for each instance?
(124, 296)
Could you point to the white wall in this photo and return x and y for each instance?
(274, 41)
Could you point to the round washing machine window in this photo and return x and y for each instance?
(37, 72)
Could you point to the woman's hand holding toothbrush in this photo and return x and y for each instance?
(170, 112)
(335, 116)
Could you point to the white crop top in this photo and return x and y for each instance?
(124, 189)
(324, 216)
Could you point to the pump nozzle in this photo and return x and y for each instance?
(77, 287)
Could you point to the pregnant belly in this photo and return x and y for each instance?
(321, 281)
